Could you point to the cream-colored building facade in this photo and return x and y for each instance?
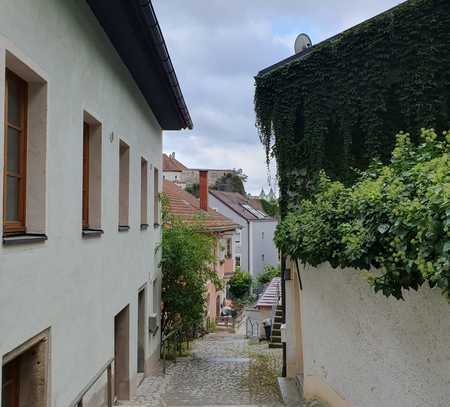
(86, 94)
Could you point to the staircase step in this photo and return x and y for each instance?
(275, 345)
(278, 320)
(276, 339)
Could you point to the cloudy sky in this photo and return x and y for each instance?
(218, 46)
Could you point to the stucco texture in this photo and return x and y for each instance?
(73, 286)
(373, 350)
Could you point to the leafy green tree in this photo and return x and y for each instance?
(231, 182)
(269, 273)
(186, 263)
(271, 207)
(193, 189)
(395, 219)
(240, 283)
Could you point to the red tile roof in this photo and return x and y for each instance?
(187, 207)
(172, 164)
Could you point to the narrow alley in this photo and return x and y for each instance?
(222, 369)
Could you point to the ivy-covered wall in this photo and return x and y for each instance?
(342, 103)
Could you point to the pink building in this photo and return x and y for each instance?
(187, 207)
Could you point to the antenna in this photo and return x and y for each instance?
(302, 42)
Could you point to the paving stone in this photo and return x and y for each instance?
(224, 370)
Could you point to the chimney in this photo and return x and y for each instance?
(204, 190)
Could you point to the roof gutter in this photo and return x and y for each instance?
(149, 16)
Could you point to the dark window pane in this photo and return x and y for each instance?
(13, 102)
(13, 157)
(12, 199)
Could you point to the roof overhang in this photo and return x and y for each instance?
(133, 30)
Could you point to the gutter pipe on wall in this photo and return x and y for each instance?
(151, 20)
(249, 247)
(283, 305)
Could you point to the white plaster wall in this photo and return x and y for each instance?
(71, 285)
(263, 246)
(225, 210)
(372, 350)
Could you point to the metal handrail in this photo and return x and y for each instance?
(107, 367)
(253, 324)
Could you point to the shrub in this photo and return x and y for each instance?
(396, 218)
(268, 274)
(239, 285)
(186, 262)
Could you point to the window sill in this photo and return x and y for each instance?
(123, 228)
(24, 239)
(144, 226)
(87, 233)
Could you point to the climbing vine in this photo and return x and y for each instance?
(395, 218)
(340, 104)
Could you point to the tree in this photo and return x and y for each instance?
(240, 283)
(232, 182)
(271, 207)
(270, 272)
(193, 189)
(186, 263)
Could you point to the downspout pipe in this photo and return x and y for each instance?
(283, 305)
(248, 245)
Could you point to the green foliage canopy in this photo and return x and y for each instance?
(271, 207)
(396, 219)
(339, 106)
(240, 283)
(187, 265)
(231, 182)
(269, 273)
(193, 189)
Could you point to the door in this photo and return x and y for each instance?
(141, 332)
(11, 383)
(122, 354)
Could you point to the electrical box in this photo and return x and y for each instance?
(153, 323)
(283, 330)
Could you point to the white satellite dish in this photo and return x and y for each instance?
(302, 42)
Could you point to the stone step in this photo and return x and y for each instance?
(276, 339)
(276, 332)
(290, 392)
(275, 345)
(278, 320)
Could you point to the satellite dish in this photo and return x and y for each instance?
(302, 42)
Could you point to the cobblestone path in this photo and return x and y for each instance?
(224, 369)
